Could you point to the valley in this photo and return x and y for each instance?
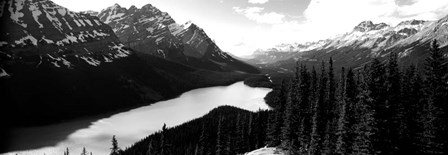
(174, 77)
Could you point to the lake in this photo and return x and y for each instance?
(95, 134)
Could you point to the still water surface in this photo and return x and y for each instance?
(138, 123)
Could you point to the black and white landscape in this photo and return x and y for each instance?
(223, 77)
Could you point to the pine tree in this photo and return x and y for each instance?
(413, 100)
(220, 144)
(364, 127)
(151, 148)
(276, 117)
(319, 110)
(164, 145)
(342, 129)
(252, 132)
(290, 127)
(375, 80)
(330, 110)
(84, 152)
(66, 152)
(435, 115)
(115, 150)
(393, 101)
(202, 144)
(239, 134)
(293, 123)
(351, 93)
(304, 115)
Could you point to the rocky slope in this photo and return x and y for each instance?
(149, 30)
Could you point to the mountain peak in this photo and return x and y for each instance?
(147, 6)
(188, 24)
(369, 25)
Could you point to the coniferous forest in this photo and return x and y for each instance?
(380, 108)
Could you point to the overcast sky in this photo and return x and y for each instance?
(242, 26)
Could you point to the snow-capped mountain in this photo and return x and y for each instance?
(367, 40)
(376, 36)
(282, 52)
(151, 31)
(52, 33)
(90, 12)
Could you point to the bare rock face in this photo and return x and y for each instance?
(151, 31)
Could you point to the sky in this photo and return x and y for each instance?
(242, 26)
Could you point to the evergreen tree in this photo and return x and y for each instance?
(364, 127)
(435, 110)
(164, 145)
(66, 152)
(351, 93)
(290, 127)
(319, 114)
(84, 152)
(276, 117)
(314, 137)
(330, 113)
(202, 148)
(413, 100)
(393, 101)
(239, 140)
(342, 129)
(151, 148)
(115, 150)
(220, 144)
(376, 79)
(304, 115)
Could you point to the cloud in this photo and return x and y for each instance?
(256, 14)
(258, 1)
(323, 19)
(329, 17)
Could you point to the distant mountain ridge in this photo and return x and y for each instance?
(367, 40)
(149, 30)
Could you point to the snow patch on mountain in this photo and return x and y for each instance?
(267, 151)
(36, 13)
(28, 37)
(15, 9)
(3, 73)
(91, 61)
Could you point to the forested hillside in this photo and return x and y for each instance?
(382, 108)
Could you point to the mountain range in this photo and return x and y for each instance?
(410, 39)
